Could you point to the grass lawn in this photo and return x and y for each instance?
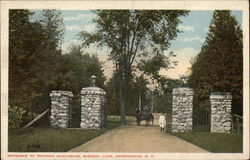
(117, 118)
(45, 139)
(214, 142)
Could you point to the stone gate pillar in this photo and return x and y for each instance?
(93, 108)
(182, 109)
(61, 102)
(221, 103)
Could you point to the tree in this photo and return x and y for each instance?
(75, 69)
(53, 26)
(50, 53)
(219, 65)
(32, 56)
(136, 87)
(112, 89)
(162, 100)
(152, 66)
(37, 66)
(24, 42)
(131, 34)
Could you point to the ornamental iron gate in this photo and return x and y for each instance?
(201, 120)
(168, 122)
(75, 112)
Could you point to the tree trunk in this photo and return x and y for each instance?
(122, 101)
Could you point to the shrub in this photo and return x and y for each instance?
(16, 115)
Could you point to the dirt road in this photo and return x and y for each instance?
(132, 138)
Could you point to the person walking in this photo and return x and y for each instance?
(162, 122)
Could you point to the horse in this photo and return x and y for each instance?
(144, 115)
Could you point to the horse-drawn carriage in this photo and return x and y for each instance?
(144, 114)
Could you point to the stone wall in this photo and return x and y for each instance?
(93, 108)
(182, 109)
(221, 112)
(61, 102)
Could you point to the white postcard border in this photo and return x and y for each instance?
(86, 5)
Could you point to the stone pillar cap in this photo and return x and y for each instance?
(92, 91)
(221, 95)
(60, 92)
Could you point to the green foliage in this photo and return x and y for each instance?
(37, 65)
(31, 59)
(152, 66)
(75, 69)
(16, 115)
(136, 85)
(162, 104)
(22, 57)
(219, 65)
(129, 31)
(215, 142)
(53, 25)
(112, 89)
(162, 100)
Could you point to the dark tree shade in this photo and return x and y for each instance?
(219, 65)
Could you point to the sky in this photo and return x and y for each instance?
(194, 29)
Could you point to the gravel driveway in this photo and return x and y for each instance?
(132, 138)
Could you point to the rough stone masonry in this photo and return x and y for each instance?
(61, 102)
(93, 108)
(221, 103)
(182, 109)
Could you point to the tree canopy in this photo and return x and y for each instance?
(219, 65)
